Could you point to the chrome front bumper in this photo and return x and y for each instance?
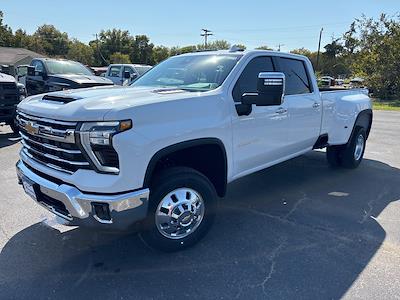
(78, 208)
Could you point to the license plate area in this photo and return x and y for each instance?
(29, 188)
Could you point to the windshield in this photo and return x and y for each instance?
(142, 69)
(193, 73)
(67, 67)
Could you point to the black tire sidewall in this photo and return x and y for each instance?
(348, 156)
(170, 180)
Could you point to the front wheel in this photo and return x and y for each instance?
(181, 209)
(14, 126)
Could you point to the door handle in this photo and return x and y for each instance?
(316, 105)
(281, 110)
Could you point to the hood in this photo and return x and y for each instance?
(7, 78)
(94, 103)
(84, 79)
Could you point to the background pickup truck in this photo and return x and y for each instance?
(162, 151)
(124, 74)
(11, 93)
(48, 75)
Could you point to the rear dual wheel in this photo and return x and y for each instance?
(349, 155)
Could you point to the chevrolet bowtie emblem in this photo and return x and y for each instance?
(31, 128)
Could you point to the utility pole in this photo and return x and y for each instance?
(206, 33)
(319, 48)
(279, 47)
(98, 49)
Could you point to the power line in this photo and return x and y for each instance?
(206, 33)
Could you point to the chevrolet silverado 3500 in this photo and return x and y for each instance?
(164, 149)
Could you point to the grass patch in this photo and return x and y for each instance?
(386, 105)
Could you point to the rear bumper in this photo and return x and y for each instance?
(83, 209)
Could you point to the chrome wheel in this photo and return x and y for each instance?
(358, 151)
(179, 213)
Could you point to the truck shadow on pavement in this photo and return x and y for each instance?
(297, 230)
(8, 138)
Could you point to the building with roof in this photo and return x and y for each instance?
(11, 58)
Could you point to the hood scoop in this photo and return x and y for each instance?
(61, 98)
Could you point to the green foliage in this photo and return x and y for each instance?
(119, 58)
(53, 41)
(378, 54)
(6, 35)
(81, 52)
(264, 47)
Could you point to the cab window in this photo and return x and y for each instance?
(297, 79)
(247, 82)
(114, 71)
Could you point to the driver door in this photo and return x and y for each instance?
(260, 138)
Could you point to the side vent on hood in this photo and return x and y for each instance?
(60, 98)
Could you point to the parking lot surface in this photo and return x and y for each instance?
(299, 230)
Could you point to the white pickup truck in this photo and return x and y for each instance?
(164, 149)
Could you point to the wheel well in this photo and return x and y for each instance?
(364, 120)
(208, 156)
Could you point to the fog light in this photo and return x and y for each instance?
(102, 212)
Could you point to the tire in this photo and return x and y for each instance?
(185, 198)
(353, 154)
(350, 155)
(14, 126)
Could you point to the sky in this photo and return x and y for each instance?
(293, 24)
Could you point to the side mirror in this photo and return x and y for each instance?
(270, 90)
(31, 71)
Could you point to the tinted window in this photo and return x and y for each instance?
(297, 81)
(130, 70)
(38, 66)
(114, 71)
(247, 82)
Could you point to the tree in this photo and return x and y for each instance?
(378, 55)
(159, 54)
(112, 41)
(54, 42)
(80, 52)
(265, 47)
(142, 50)
(6, 35)
(119, 58)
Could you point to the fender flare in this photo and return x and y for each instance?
(364, 119)
(182, 146)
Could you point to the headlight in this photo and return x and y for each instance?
(96, 140)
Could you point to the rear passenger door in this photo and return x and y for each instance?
(304, 104)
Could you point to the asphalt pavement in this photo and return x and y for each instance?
(298, 230)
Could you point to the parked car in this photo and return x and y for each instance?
(11, 93)
(327, 81)
(162, 151)
(48, 74)
(124, 74)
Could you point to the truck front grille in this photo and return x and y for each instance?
(8, 93)
(51, 143)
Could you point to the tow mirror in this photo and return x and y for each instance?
(31, 71)
(127, 75)
(270, 90)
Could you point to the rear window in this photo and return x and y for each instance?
(297, 80)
